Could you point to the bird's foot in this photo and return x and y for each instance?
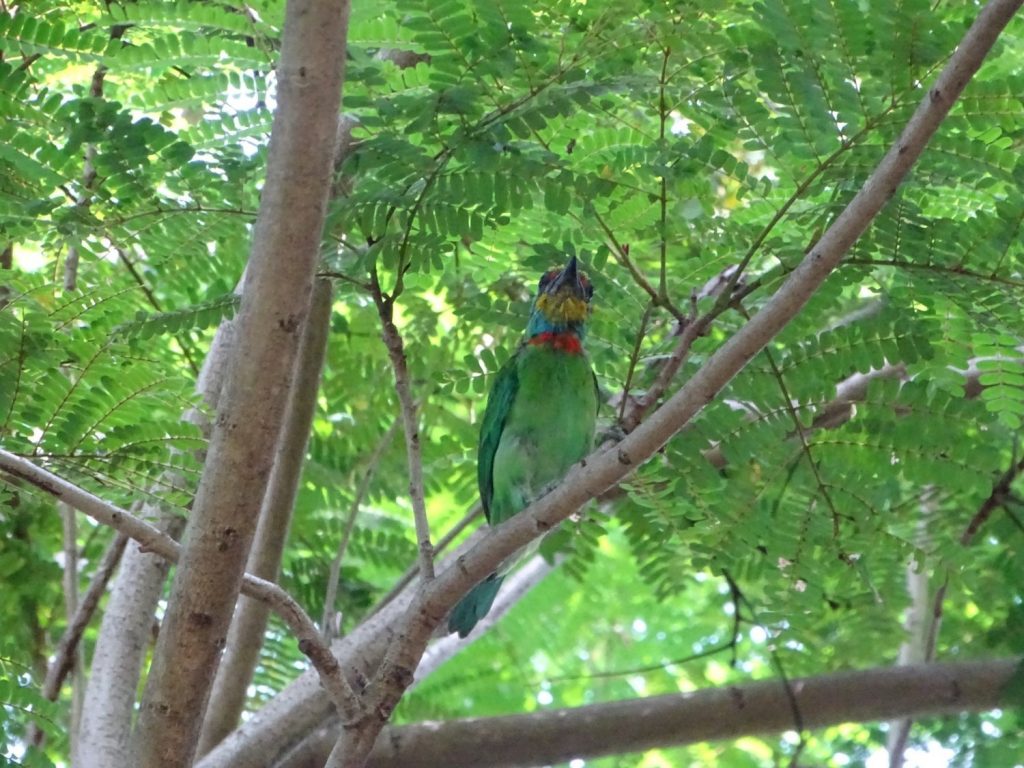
(611, 433)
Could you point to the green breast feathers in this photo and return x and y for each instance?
(539, 419)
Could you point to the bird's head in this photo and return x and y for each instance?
(562, 302)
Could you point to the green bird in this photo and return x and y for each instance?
(539, 419)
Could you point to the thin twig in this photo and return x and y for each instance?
(191, 208)
(730, 645)
(634, 358)
(181, 338)
(66, 652)
(84, 197)
(798, 194)
(791, 696)
(406, 578)
(663, 114)
(621, 252)
(63, 656)
(938, 269)
(71, 605)
(70, 546)
(441, 160)
(396, 351)
(997, 498)
(333, 578)
(1001, 493)
(692, 329)
(361, 284)
(82, 202)
(801, 433)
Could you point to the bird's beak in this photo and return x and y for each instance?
(569, 277)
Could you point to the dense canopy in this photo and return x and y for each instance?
(858, 480)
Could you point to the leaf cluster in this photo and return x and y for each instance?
(660, 143)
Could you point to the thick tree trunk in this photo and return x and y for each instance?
(276, 297)
(245, 638)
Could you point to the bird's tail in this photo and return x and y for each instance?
(475, 605)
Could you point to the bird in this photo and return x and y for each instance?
(540, 416)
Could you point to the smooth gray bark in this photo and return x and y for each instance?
(556, 736)
(104, 734)
(275, 301)
(245, 638)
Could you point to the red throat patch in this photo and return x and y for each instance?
(563, 342)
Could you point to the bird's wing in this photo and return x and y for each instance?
(499, 404)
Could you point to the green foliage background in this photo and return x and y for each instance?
(661, 142)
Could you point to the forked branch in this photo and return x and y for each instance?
(160, 543)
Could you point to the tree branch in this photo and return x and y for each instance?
(925, 616)
(691, 328)
(442, 544)
(410, 422)
(621, 252)
(71, 606)
(917, 623)
(62, 657)
(123, 643)
(84, 197)
(303, 705)
(67, 648)
(125, 630)
(549, 736)
(1002, 492)
(315, 749)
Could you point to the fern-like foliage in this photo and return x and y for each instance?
(97, 410)
(200, 316)
(660, 143)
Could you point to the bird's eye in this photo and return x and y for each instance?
(547, 277)
(588, 288)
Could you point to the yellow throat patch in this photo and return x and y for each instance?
(563, 307)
